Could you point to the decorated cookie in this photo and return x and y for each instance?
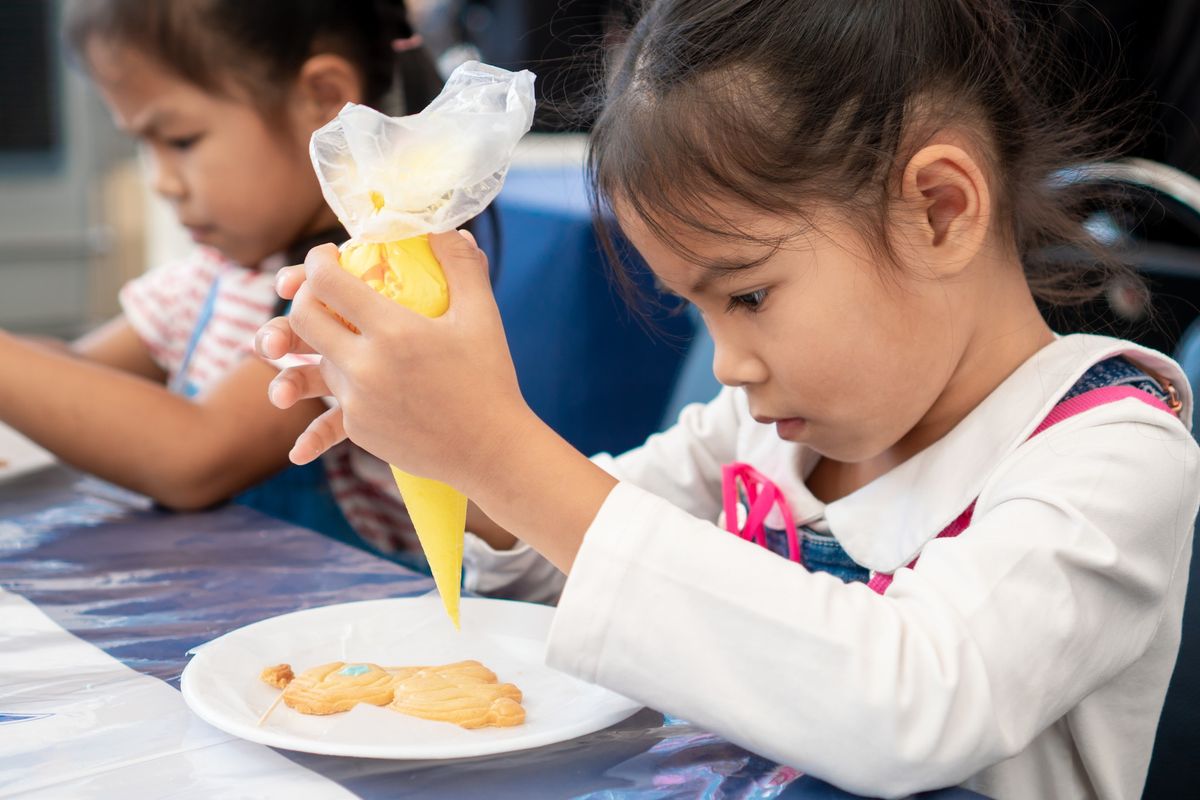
(338, 686)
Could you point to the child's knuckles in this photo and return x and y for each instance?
(393, 330)
(307, 382)
(302, 308)
(350, 417)
(329, 376)
(323, 278)
(454, 248)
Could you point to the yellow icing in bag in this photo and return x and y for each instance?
(393, 180)
(407, 272)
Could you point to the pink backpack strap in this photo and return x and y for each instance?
(1094, 398)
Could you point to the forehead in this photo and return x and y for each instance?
(684, 253)
(138, 89)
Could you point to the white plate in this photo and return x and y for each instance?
(19, 456)
(221, 683)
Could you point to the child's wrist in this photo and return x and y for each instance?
(502, 458)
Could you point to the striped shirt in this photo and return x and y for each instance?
(210, 307)
(165, 307)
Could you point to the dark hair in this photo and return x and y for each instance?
(774, 104)
(268, 40)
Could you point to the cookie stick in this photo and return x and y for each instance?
(267, 713)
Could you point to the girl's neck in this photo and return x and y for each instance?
(1012, 333)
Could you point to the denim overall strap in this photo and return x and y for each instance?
(1064, 410)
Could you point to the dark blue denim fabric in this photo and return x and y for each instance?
(1115, 371)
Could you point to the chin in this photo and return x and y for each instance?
(247, 259)
(844, 452)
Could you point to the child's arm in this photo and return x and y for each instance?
(132, 431)
(117, 344)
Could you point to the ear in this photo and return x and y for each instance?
(947, 206)
(325, 83)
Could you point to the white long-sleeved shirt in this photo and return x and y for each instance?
(1026, 658)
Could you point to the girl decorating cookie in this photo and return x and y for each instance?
(919, 539)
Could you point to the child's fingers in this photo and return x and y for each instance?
(294, 384)
(465, 266)
(312, 322)
(346, 295)
(276, 339)
(288, 281)
(322, 433)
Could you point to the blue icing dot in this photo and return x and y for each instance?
(354, 669)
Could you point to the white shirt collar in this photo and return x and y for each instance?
(883, 525)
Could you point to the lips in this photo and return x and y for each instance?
(785, 427)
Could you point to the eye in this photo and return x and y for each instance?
(750, 302)
(182, 143)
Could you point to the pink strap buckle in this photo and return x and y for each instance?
(761, 495)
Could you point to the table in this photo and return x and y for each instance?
(102, 597)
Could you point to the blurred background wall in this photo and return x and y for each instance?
(64, 184)
(76, 222)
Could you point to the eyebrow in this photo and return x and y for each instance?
(150, 125)
(724, 268)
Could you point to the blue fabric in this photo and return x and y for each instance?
(1115, 371)
(821, 553)
(588, 366)
(1188, 356)
(302, 496)
(696, 382)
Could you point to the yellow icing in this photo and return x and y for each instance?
(408, 272)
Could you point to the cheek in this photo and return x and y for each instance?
(871, 357)
(261, 184)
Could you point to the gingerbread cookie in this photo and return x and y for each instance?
(466, 693)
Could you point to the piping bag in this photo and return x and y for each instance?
(392, 181)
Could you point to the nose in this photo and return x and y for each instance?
(735, 364)
(163, 175)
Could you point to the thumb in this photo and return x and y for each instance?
(465, 266)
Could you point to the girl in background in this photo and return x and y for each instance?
(222, 97)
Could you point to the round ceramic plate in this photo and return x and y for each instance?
(221, 683)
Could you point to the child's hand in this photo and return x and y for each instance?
(434, 397)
